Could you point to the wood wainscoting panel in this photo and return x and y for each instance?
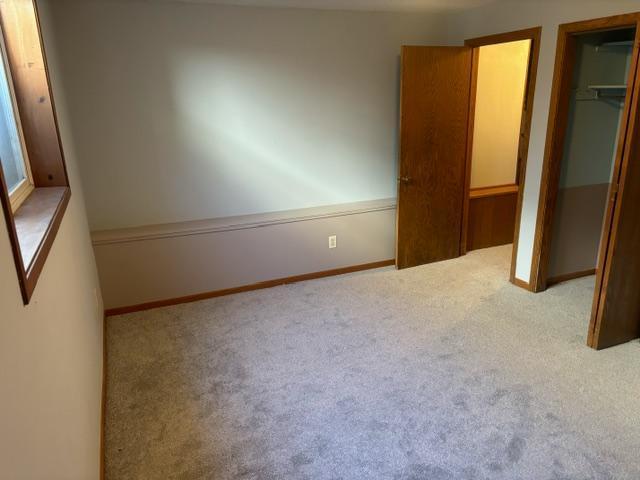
(492, 216)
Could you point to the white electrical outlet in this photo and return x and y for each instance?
(333, 241)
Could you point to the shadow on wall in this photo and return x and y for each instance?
(194, 111)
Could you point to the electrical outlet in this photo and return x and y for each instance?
(333, 241)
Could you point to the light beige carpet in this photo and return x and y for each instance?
(445, 371)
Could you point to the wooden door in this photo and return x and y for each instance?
(616, 314)
(434, 111)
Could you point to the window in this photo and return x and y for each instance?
(34, 188)
(13, 155)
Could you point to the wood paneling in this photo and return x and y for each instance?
(246, 288)
(434, 102)
(492, 216)
(533, 34)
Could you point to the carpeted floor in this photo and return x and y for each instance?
(445, 371)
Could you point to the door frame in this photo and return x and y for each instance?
(556, 131)
(534, 34)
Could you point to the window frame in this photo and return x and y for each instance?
(33, 210)
(20, 193)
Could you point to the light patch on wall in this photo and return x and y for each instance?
(217, 112)
(237, 112)
(502, 75)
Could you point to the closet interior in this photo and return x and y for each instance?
(598, 95)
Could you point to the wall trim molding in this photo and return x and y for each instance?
(246, 288)
(227, 224)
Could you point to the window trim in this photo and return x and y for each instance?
(34, 210)
(20, 193)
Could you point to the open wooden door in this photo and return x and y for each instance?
(615, 317)
(434, 111)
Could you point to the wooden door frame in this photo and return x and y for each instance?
(554, 148)
(534, 34)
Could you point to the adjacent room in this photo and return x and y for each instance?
(319, 239)
(500, 97)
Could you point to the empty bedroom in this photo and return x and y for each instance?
(319, 239)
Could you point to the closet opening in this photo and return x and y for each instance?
(596, 104)
(502, 93)
(588, 208)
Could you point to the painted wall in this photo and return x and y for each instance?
(514, 16)
(502, 76)
(241, 111)
(192, 111)
(51, 350)
(173, 261)
(592, 130)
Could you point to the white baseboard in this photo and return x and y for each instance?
(158, 262)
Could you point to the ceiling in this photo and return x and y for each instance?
(371, 5)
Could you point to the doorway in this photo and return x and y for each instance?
(588, 215)
(448, 203)
(502, 95)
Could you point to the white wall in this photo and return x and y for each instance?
(51, 350)
(508, 16)
(502, 78)
(143, 265)
(191, 111)
(185, 112)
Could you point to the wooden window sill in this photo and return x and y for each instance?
(36, 224)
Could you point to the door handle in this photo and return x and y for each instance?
(404, 180)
